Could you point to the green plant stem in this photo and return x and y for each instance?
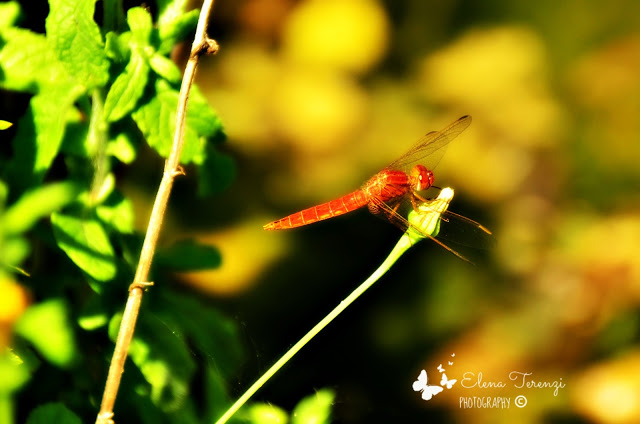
(424, 222)
(405, 242)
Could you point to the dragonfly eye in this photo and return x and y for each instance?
(422, 177)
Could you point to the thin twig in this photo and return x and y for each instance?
(201, 44)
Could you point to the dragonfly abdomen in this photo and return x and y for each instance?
(344, 204)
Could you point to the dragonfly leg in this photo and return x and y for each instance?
(415, 196)
(422, 199)
(374, 208)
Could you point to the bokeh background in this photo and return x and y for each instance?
(317, 95)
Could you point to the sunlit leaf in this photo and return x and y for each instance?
(14, 251)
(169, 10)
(315, 408)
(48, 327)
(14, 373)
(123, 146)
(38, 203)
(174, 23)
(265, 413)
(86, 243)
(40, 134)
(28, 63)
(9, 14)
(93, 315)
(165, 68)
(139, 21)
(76, 39)
(117, 212)
(128, 88)
(156, 120)
(118, 46)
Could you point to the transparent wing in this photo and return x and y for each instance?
(430, 148)
(390, 210)
(453, 227)
(464, 231)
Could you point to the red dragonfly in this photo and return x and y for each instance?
(383, 193)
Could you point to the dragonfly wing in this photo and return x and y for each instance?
(464, 231)
(461, 230)
(454, 228)
(390, 211)
(429, 149)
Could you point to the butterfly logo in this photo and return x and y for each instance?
(421, 385)
(446, 382)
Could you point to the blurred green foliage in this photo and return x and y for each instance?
(316, 96)
(68, 241)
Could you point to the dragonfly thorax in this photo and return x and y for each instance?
(421, 178)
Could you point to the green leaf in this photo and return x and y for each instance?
(75, 38)
(127, 88)
(165, 68)
(48, 108)
(13, 371)
(118, 46)
(201, 117)
(174, 24)
(265, 413)
(161, 354)
(117, 212)
(100, 191)
(139, 21)
(4, 194)
(53, 413)
(189, 255)
(156, 120)
(86, 243)
(28, 64)
(39, 136)
(123, 146)
(39, 203)
(216, 173)
(47, 326)
(170, 10)
(176, 28)
(314, 409)
(9, 14)
(93, 314)
(14, 251)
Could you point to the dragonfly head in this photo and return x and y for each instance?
(421, 178)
